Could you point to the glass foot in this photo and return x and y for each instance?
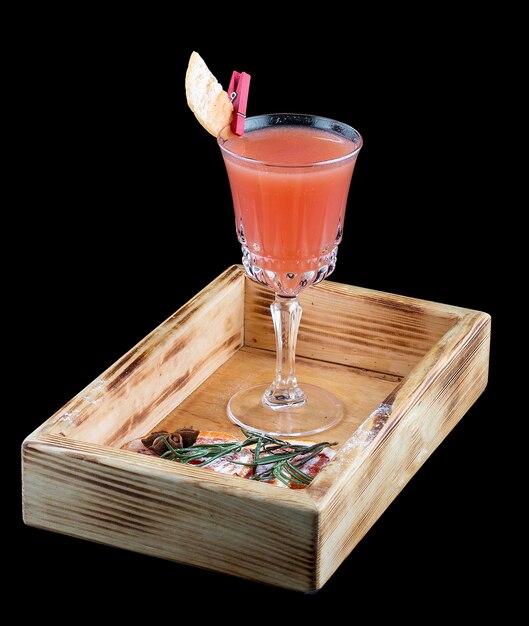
(320, 411)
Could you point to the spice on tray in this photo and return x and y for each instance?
(178, 439)
(259, 456)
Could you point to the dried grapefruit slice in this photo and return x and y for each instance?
(205, 96)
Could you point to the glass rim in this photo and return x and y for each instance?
(345, 157)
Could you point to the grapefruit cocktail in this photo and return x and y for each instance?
(289, 176)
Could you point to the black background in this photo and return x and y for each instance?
(113, 164)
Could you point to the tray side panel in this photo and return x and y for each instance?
(222, 523)
(354, 326)
(133, 395)
(421, 414)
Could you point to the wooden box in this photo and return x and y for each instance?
(406, 369)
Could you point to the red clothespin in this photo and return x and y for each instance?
(238, 93)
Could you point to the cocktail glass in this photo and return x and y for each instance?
(289, 219)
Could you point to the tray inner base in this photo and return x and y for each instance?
(361, 392)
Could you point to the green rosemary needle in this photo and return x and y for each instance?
(281, 459)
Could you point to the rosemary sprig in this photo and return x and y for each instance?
(282, 460)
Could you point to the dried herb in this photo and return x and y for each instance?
(279, 459)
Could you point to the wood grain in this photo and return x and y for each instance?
(360, 391)
(373, 467)
(192, 516)
(407, 371)
(353, 326)
(133, 395)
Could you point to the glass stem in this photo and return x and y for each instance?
(284, 391)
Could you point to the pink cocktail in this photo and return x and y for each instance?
(289, 176)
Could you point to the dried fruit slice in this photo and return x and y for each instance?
(205, 96)
(239, 462)
(229, 464)
(312, 467)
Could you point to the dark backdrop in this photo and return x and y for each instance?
(126, 203)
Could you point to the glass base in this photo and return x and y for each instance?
(319, 412)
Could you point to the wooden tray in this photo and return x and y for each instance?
(406, 369)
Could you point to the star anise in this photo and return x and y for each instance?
(180, 438)
(189, 435)
(149, 440)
